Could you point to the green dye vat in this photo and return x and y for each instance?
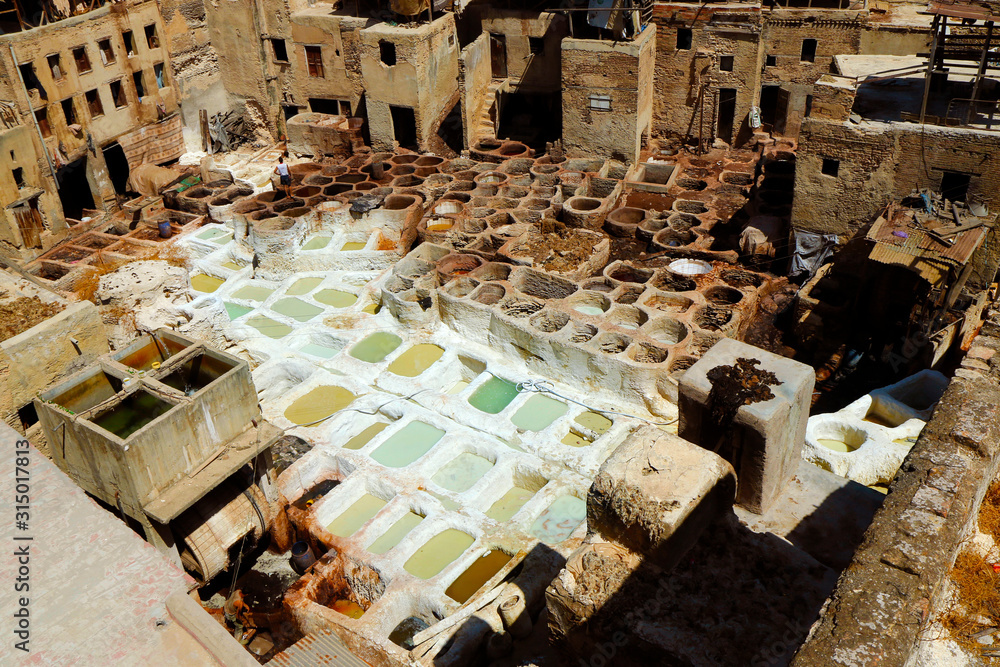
(589, 310)
(462, 472)
(235, 310)
(493, 395)
(355, 516)
(597, 423)
(252, 293)
(376, 347)
(319, 350)
(445, 501)
(363, 438)
(416, 360)
(437, 553)
(316, 242)
(215, 235)
(559, 520)
(207, 284)
(538, 413)
(458, 387)
(297, 309)
(476, 575)
(232, 265)
(353, 245)
(407, 445)
(390, 538)
(131, 414)
(335, 297)
(509, 504)
(269, 327)
(303, 286)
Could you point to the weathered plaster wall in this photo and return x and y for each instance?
(624, 72)
(526, 70)
(473, 80)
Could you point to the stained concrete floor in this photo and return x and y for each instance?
(98, 591)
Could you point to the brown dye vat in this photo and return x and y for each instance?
(630, 295)
(723, 296)
(487, 145)
(263, 215)
(351, 178)
(669, 303)
(370, 169)
(490, 294)
(94, 241)
(286, 205)
(648, 201)
(713, 318)
(689, 206)
(598, 285)
(367, 186)
(406, 181)
(581, 333)
(682, 222)
(492, 271)
(644, 353)
(428, 161)
(337, 189)
(455, 264)
(196, 193)
(335, 170)
(694, 184)
(611, 343)
(295, 212)
(70, 254)
(741, 278)
(196, 373)
(680, 365)
(512, 148)
(92, 390)
(402, 170)
(398, 202)
(424, 172)
(156, 350)
(647, 229)
(630, 274)
(317, 180)
(404, 159)
(306, 191)
(270, 196)
(519, 308)
(669, 282)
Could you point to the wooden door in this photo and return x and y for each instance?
(29, 223)
(498, 55)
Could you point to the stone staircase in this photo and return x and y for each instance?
(486, 126)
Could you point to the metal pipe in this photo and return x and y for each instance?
(27, 95)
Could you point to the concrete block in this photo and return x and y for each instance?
(763, 440)
(657, 492)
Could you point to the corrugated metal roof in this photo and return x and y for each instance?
(900, 242)
(321, 648)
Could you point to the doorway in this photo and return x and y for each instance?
(29, 223)
(404, 126)
(727, 114)
(498, 55)
(74, 189)
(118, 170)
(768, 105)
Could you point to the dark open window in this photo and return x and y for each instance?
(387, 52)
(107, 52)
(55, 66)
(314, 61)
(726, 63)
(69, 113)
(279, 50)
(18, 174)
(152, 39)
(536, 45)
(330, 106)
(808, 50)
(684, 38)
(954, 185)
(160, 75)
(30, 80)
(118, 94)
(770, 61)
(140, 87)
(81, 58)
(831, 167)
(94, 103)
(129, 43)
(42, 118)
(809, 106)
(28, 415)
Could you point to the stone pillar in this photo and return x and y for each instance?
(749, 406)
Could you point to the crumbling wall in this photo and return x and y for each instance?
(621, 71)
(527, 70)
(885, 597)
(474, 78)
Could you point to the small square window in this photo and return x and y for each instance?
(279, 50)
(387, 52)
(152, 39)
(726, 63)
(55, 67)
(18, 175)
(82, 60)
(314, 61)
(69, 113)
(808, 50)
(160, 75)
(118, 94)
(770, 61)
(107, 52)
(831, 167)
(536, 45)
(94, 103)
(129, 41)
(684, 39)
(28, 415)
(600, 102)
(42, 118)
(451, 41)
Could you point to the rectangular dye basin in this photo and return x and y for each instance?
(253, 293)
(376, 347)
(303, 286)
(316, 243)
(235, 310)
(407, 445)
(134, 412)
(462, 472)
(396, 532)
(416, 360)
(538, 412)
(363, 438)
(335, 297)
(509, 504)
(157, 349)
(197, 373)
(355, 516)
(559, 519)
(493, 395)
(88, 392)
(308, 498)
(269, 327)
(205, 283)
(320, 351)
(476, 575)
(437, 553)
(318, 404)
(297, 309)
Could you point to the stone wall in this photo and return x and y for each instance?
(473, 81)
(885, 597)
